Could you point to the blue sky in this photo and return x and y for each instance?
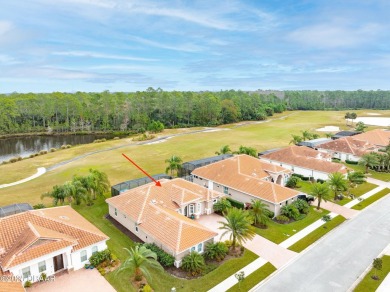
(125, 45)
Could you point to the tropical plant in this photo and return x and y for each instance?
(85, 183)
(239, 225)
(165, 259)
(306, 135)
(217, 250)
(247, 150)
(360, 127)
(356, 178)
(377, 265)
(337, 183)
(100, 256)
(290, 211)
(321, 192)
(139, 262)
(293, 182)
(326, 218)
(193, 263)
(260, 212)
(240, 276)
(222, 205)
(75, 190)
(224, 150)
(98, 183)
(58, 195)
(302, 206)
(296, 139)
(174, 164)
(369, 160)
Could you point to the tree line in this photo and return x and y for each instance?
(136, 111)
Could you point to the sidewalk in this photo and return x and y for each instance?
(365, 196)
(344, 211)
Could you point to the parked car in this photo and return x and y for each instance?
(309, 199)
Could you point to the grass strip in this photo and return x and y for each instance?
(368, 283)
(316, 234)
(366, 202)
(254, 278)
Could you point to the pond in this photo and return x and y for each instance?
(24, 146)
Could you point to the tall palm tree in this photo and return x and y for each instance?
(224, 150)
(174, 163)
(369, 160)
(306, 135)
(247, 150)
(260, 212)
(296, 139)
(84, 182)
(75, 190)
(356, 178)
(239, 225)
(321, 192)
(337, 183)
(58, 195)
(98, 183)
(139, 262)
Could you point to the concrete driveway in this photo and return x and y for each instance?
(77, 281)
(341, 210)
(336, 261)
(275, 254)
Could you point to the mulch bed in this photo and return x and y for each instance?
(124, 230)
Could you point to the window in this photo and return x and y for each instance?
(192, 249)
(94, 249)
(42, 266)
(191, 208)
(26, 273)
(83, 255)
(136, 228)
(225, 190)
(198, 206)
(214, 201)
(116, 212)
(200, 247)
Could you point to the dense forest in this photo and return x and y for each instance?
(106, 111)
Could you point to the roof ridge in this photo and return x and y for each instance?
(143, 205)
(68, 224)
(179, 236)
(33, 229)
(274, 193)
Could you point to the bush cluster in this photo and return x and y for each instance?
(282, 218)
(236, 204)
(99, 257)
(217, 251)
(100, 140)
(163, 258)
(351, 162)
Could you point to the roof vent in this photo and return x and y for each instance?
(154, 201)
(64, 217)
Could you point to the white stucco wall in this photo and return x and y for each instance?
(76, 256)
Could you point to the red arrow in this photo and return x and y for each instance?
(158, 184)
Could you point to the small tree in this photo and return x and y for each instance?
(337, 183)
(293, 182)
(360, 127)
(296, 139)
(377, 264)
(326, 218)
(174, 163)
(369, 160)
(240, 276)
(224, 150)
(222, 206)
(247, 150)
(321, 192)
(260, 213)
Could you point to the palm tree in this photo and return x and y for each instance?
(224, 150)
(337, 183)
(174, 163)
(296, 139)
(247, 150)
(239, 225)
(369, 160)
(98, 183)
(76, 191)
(306, 135)
(139, 262)
(84, 182)
(321, 192)
(193, 263)
(260, 213)
(356, 178)
(57, 194)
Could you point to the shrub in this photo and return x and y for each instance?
(321, 181)
(53, 149)
(115, 138)
(236, 204)
(68, 146)
(297, 175)
(42, 152)
(19, 158)
(102, 271)
(63, 146)
(5, 162)
(39, 206)
(271, 214)
(31, 155)
(36, 154)
(193, 263)
(43, 277)
(99, 257)
(27, 284)
(293, 182)
(216, 251)
(290, 211)
(282, 218)
(147, 288)
(228, 243)
(302, 206)
(163, 258)
(13, 160)
(155, 127)
(351, 162)
(222, 205)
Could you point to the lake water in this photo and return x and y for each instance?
(24, 146)
(374, 121)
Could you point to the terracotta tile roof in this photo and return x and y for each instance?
(246, 174)
(379, 137)
(155, 210)
(9, 284)
(348, 145)
(294, 156)
(34, 233)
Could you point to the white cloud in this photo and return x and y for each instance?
(182, 47)
(5, 27)
(88, 54)
(334, 35)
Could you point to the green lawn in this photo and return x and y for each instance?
(371, 173)
(369, 284)
(366, 202)
(316, 234)
(254, 278)
(357, 192)
(160, 280)
(279, 232)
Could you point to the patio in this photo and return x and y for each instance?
(76, 281)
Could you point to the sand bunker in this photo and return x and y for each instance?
(329, 129)
(373, 114)
(384, 122)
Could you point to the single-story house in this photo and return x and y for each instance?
(347, 148)
(377, 137)
(161, 215)
(245, 178)
(314, 143)
(305, 161)
(343, 134)
(47, 241)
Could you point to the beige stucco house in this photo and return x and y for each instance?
(162, 215)
(245, 178)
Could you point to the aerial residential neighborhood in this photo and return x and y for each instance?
(182, 146)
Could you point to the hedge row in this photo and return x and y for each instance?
(351, 162)
(236, 204)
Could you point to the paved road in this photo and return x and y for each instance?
(340, 258)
